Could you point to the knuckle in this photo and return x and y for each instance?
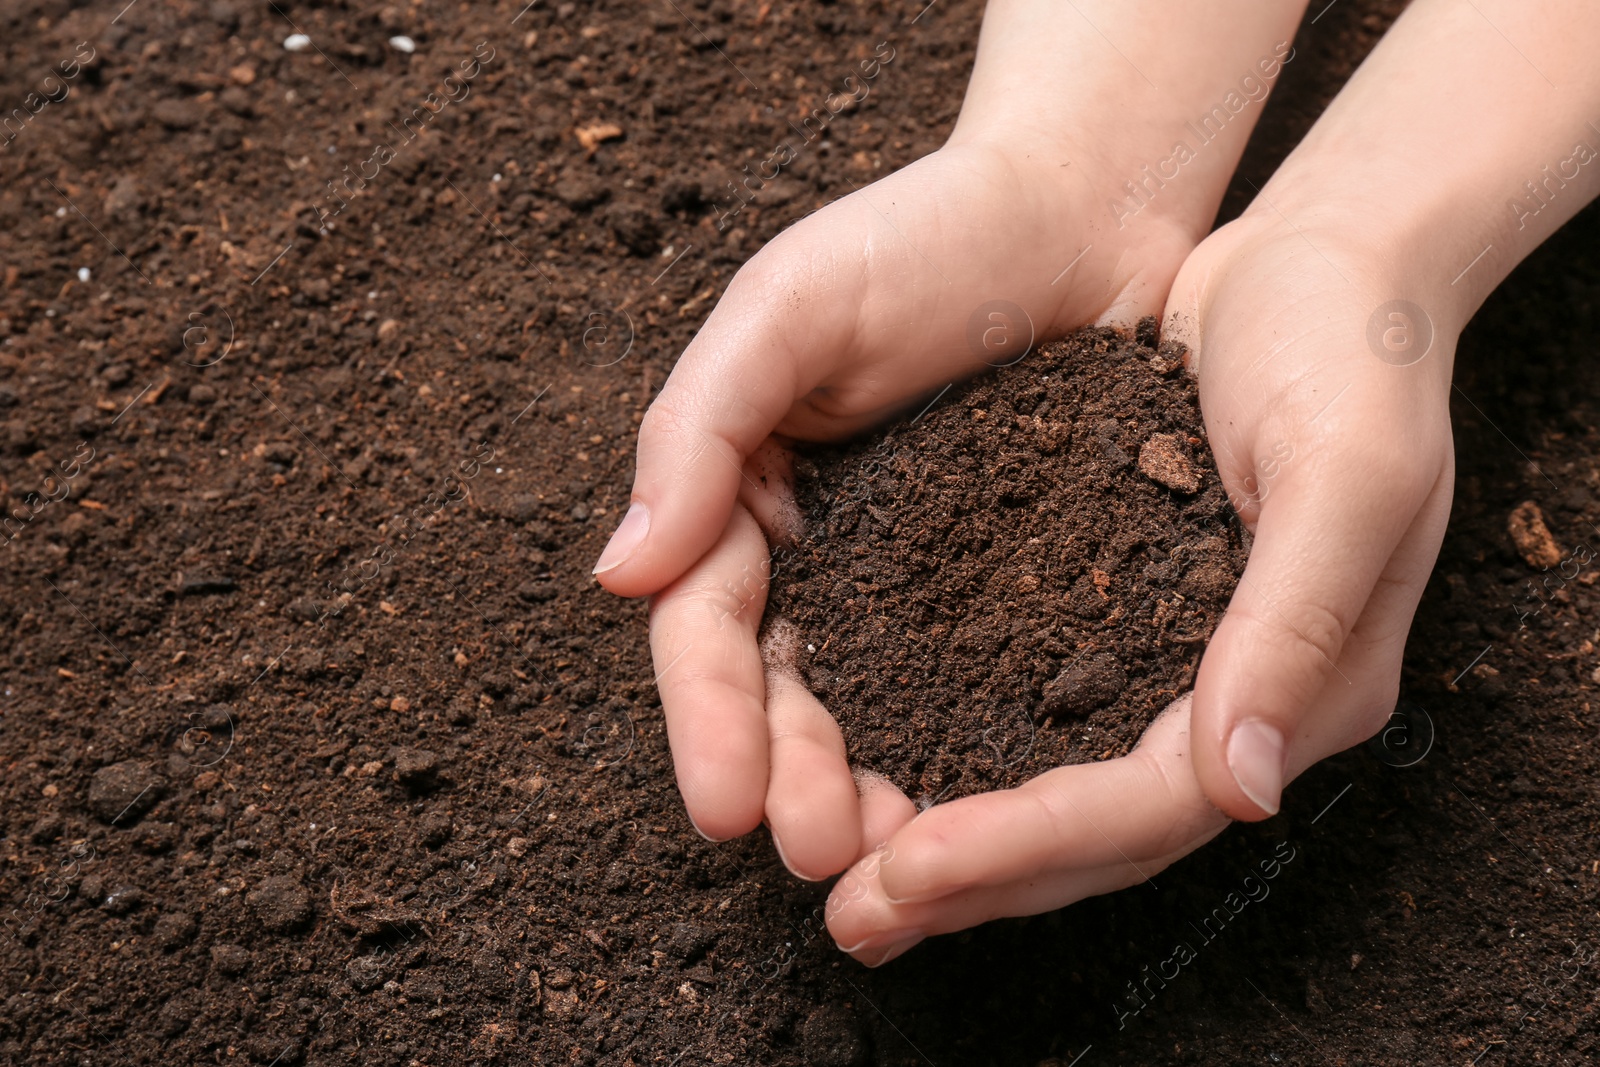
(1192, 812)
(661, 421)
(1314, 632)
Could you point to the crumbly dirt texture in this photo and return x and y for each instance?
(1021, 576)
(311, 757)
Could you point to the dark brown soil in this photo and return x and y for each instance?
(313, 756)
(1020, 576)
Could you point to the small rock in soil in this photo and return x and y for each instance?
(122, 792)
(123, 899)
(1165, 459)
(1532, 537)
(281, 903)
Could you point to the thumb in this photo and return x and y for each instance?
(1330, 555)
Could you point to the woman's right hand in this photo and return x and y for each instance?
(1021, 228)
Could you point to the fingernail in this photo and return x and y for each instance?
(702, 833)
(1256, 752)
(792, 869)
(629, 536)
(879, 949)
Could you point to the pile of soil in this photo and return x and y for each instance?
(1019, 577)
(312, 755)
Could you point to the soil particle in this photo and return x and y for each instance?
(434, 829)
(176, 929)
(229, 959)
(1164, 458)
(416, 768)
(281, 904)
(206, 584)
(122, 792)
(367, 973)
(1081, 688)
(124, 899)
(1532, 537)
(688, 942)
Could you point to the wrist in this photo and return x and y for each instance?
(1148, 122)
(1366, 282)
(1453, 162)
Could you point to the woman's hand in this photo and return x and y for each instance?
(872, 305)
(1338, 455)
(1021, 228)
(1323, 324)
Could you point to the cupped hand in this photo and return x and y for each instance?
(1324, 384)
(872, 304)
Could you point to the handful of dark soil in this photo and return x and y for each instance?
(1021, 577)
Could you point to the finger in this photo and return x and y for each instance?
(1347, 714)
(1127, 811)
(884, 809)
(1327, 538)
(865, 923)
(812, 805)
(703, 640)
(767, 491)
(736, 380)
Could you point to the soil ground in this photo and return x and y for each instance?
(1021, 576)
(315, 756)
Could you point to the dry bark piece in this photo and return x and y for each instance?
(1532, 537)
(1165, 459)
(594, 134)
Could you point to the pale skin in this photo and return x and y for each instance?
(860, 312)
